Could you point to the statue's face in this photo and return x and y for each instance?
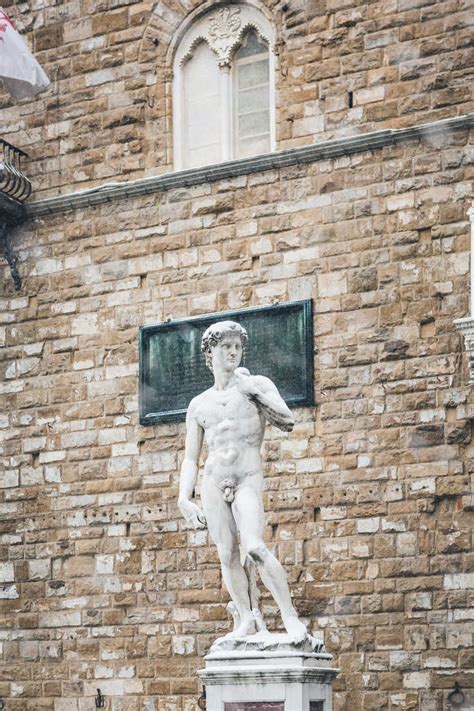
(227, 354)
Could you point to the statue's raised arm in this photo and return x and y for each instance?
(266, 397)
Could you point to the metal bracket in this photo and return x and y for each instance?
(10, 257)
(99, 700)
(456, 697)
(202, 699)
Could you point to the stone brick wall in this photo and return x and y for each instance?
(108, 114)
(367, 499)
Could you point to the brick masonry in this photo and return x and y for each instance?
(108, 115)
(102, 585)
(368, 500)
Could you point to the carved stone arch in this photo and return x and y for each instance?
(225, 47)
(195, 28)
(167, 25)
(269, 39)
(160, 31)
(169, 21)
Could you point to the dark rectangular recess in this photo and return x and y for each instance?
(255, 706)
(316, 706)
(173, 369)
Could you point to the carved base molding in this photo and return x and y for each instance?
(466, 327)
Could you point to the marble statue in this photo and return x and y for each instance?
(231, 415)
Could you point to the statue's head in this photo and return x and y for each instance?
(216, 333)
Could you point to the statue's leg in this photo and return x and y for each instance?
(249, 514)
(221, 525)
(251, 573)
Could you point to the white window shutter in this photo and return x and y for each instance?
(202, 109)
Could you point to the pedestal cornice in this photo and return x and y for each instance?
(466, 327)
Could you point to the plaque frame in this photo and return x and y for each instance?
(300, 311)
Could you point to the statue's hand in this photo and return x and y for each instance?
(192, 513)
(245, 382)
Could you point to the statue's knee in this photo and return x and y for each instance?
(227, 556)
(257, 552)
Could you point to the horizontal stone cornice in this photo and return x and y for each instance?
(291, 156)
(241, 675)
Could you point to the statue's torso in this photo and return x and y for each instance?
(234, 429)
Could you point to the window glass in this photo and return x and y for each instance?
(202, 108)
(251, 45)
(251, 97)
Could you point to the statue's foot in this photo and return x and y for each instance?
(245, 627)
(259, 621)
(295, 628)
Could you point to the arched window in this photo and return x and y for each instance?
(223, 88)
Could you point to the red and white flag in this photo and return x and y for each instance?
(21, 74)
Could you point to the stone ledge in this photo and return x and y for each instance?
(292, 156)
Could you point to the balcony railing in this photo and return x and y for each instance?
(15, 188)
(13, 182)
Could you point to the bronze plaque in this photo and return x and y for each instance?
(173, 370)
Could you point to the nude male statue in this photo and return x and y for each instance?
(232, 415)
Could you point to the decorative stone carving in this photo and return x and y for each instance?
(466, 327)
(224, 32)
(231, 416)
(223, 29)
(470, 214)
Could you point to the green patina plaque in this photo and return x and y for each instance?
(173, 370)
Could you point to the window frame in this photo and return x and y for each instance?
(235, 95)
(205, 27)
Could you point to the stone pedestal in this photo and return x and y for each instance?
(266, 672)
(466, 327)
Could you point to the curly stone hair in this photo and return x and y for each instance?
(216, 332)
